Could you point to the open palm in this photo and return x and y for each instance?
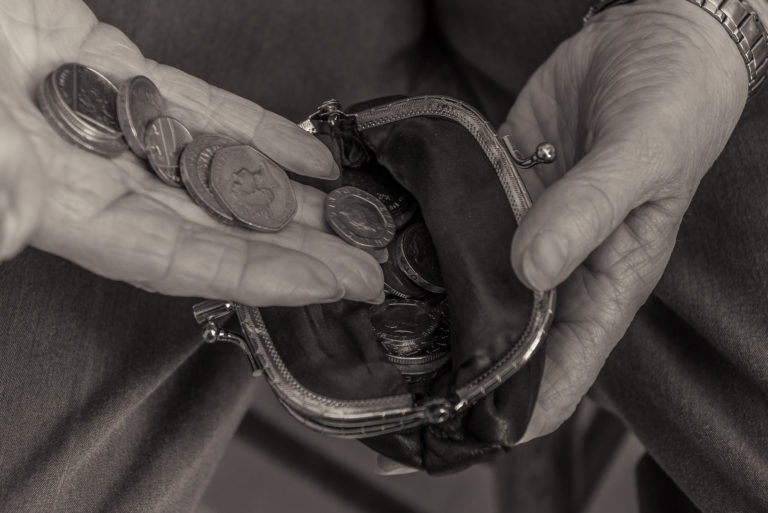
(116, 219)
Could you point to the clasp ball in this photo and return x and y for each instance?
(545, 152)
(210, 333)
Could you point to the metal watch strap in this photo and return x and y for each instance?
(741, 23)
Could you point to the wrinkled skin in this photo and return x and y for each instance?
(639, 104)
(116, 219)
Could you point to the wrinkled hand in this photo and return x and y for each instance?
(639, 104)
(116, 219)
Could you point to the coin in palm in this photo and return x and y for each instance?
(195, 168)
(73, 129)
(139, 102)
(165, 139)
(253, 188)
(89, 96)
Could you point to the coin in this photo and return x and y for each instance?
(73, 123)
(65, 126)
(395, 281)
(139, 102)
(402, 217)
(255, 189)
(427, 361)
(417, 258)
(423, 368)
(403, 320)
(359, 218)
(195, 169)
(399, 202)
(88, 95)
(165, 139)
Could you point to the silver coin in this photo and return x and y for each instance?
(74, 123)
(417, 258)
(403, 320)
(426, 361)
(396, 282)
(399, 202)
(89, 96)
(359, 218)
(422, 368)
(195, 168)
(139, 102)
(165, 139)
(403, 216)
(255, 189)
(430, 353)
(58, 120)
(403, 347)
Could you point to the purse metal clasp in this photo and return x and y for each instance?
(212, 314)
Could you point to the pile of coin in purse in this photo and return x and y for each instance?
(412, 324)
(238, 185)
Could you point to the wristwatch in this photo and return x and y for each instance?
(739, 20)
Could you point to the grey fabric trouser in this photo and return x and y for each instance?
(109, 402)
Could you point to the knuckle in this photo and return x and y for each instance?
(591, 209)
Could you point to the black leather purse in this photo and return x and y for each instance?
(323, 361)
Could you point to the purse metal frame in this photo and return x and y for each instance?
(383, 415)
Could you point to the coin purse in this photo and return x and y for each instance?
(323, 361)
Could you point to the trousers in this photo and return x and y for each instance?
(109, 400)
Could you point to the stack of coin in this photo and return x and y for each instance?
(413, 336)
(371, 211)
(79, 104)
(403, 326)
(235, 184)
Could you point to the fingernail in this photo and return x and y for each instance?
(326, 287)
(377, 300)
(387, 467)
(381, 255)
(337, 296)
(334, 172)
(544, 260)
(400, 471)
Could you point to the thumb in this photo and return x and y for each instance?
(578, 212)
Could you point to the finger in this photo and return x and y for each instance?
(22, 191)
(207, 109)
(388, 467)
(139, 240)
(310, 211)
(578, 212)
(595, 309)
(310, 202)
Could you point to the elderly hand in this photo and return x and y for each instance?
(116, 219)
(639, 104)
